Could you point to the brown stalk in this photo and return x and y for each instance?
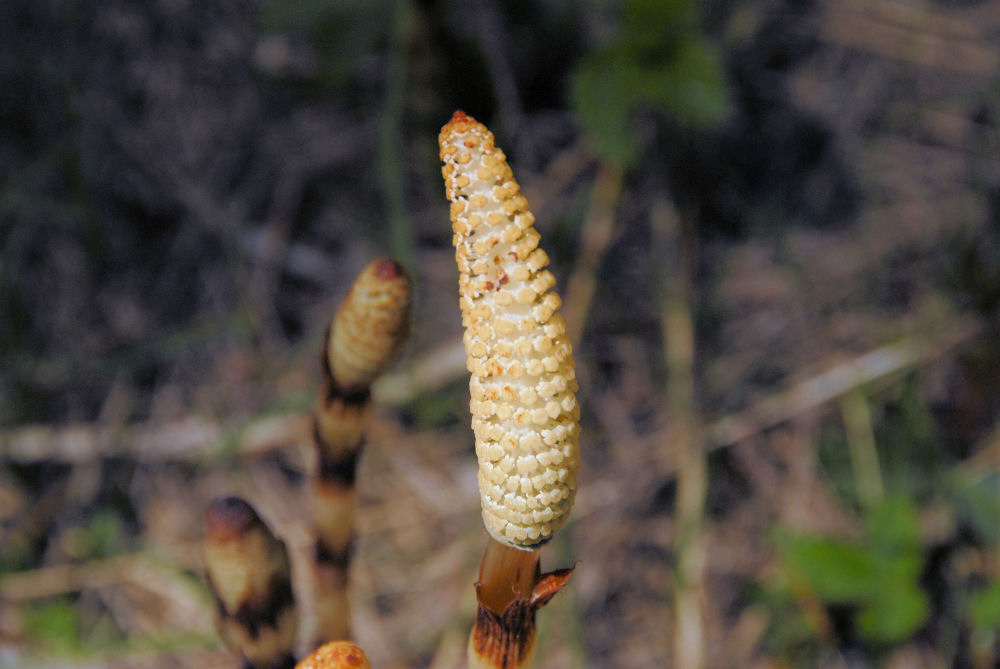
(510, 590)
(598, 228)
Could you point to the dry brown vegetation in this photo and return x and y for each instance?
(188, 189)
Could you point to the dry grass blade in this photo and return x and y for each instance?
(189, 439)
(598, 229)
(875, 366)
(692, 467)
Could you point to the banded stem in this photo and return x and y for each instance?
(248, 572)
(366, 336)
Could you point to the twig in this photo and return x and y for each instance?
(875, 366)
(64, 578)
(168, 585)
(425, 374)
(812, 395)
(911, 33)
(190, 438)
(194, 437)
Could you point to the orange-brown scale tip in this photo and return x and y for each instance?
(387, 269)
(458, 118)
(229, 518)
(336, 655)
(371, 326)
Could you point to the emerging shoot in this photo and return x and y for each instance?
(248, 572)
(366, 336)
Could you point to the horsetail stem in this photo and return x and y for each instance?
(248, 572)
(366, 336)
(522, 387)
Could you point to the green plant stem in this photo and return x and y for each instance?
(391, 140)
(857, 418)
(677, 250)
(594, 239)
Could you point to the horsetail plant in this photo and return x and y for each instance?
(522, 386)
(365, 338)
(248, 572)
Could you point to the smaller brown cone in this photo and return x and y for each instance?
(248, 571)
(371, 326)
(336, 655)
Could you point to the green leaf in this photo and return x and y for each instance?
(602, 99)
(837, 571)
(984, 608)
(52, 624)
(979, 504)
(903, 568)
(893, 525)
(898, 610)
(105, 534)
(689, 85)
(659, 61)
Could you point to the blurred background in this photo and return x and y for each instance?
(776, 230)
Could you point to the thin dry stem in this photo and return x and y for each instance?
(692, 468)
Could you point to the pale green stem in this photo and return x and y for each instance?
(857, 418)
(692, 467)
(392, 174)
